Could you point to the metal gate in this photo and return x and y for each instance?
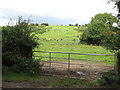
(79, 65)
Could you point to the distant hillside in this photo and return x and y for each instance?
(66, 39)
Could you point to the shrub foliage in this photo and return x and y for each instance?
(111, 78)
(46, 24)
(100, 24)
(18, 42)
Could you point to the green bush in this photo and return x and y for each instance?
(18, 42)
(111, 78)
(76, 24)
(96, 29)
(19, 65)
(92, 35)
(46, 24)
(71, 25)
(27, 66)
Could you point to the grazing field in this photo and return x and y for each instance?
(66, 39)
(62, 39)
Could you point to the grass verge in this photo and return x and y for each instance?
(46, 81)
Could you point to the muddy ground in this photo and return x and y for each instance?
(87, 70)
(78, 69)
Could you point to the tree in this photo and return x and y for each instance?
(115, 39)
(18, 42)
(46, 24)
(70, 24)
(117, 2)
(98, 25)
(112, 43)
(76, 24)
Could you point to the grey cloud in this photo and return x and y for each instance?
(53, 20)
(13, 14)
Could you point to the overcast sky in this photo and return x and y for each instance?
(54, 12)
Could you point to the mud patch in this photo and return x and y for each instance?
(78, 69)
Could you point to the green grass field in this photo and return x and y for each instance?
(66, 39)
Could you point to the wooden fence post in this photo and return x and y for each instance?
(68, 62)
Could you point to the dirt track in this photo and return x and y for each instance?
(91, 71)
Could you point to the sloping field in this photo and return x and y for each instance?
(66, 39)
